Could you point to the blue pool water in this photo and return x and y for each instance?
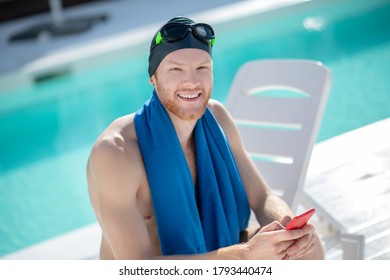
(47, 130)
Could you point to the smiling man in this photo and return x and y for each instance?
(173, 180)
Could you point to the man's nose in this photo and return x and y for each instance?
(191, 78)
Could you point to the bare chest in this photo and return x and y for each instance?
(145, 204)
(191, 161)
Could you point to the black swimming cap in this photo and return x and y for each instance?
(159, 51)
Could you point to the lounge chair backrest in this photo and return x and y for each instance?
(278, 106)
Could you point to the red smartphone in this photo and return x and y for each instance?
(300, 220)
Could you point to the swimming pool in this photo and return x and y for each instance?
(47, 129)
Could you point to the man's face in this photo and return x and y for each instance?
(184, 81)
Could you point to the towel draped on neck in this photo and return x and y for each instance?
(191, 220)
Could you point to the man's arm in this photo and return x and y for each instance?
(266, 206)
(113, 186)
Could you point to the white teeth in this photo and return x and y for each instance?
(189, 96)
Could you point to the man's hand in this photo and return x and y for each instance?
(272, 242)
(303, 245)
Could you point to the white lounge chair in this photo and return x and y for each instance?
(278, 106)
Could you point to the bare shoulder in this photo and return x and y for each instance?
(226, 121)
(219, 111)
(117, 141)
(115, 154)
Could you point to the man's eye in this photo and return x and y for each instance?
(175, 69)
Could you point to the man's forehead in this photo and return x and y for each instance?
(185, 56)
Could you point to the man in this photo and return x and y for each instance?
(173, 181)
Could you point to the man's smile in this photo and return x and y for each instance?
(189, 96)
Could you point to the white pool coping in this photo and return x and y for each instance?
(341, 149)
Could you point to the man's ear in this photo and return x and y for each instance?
(152, 80)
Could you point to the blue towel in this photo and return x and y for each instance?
(191, 220)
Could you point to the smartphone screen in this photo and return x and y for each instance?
(300, 220)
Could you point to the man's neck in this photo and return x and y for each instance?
(184, 130)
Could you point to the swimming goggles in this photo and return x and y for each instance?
(172, 32)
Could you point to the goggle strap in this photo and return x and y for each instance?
(159, 38)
